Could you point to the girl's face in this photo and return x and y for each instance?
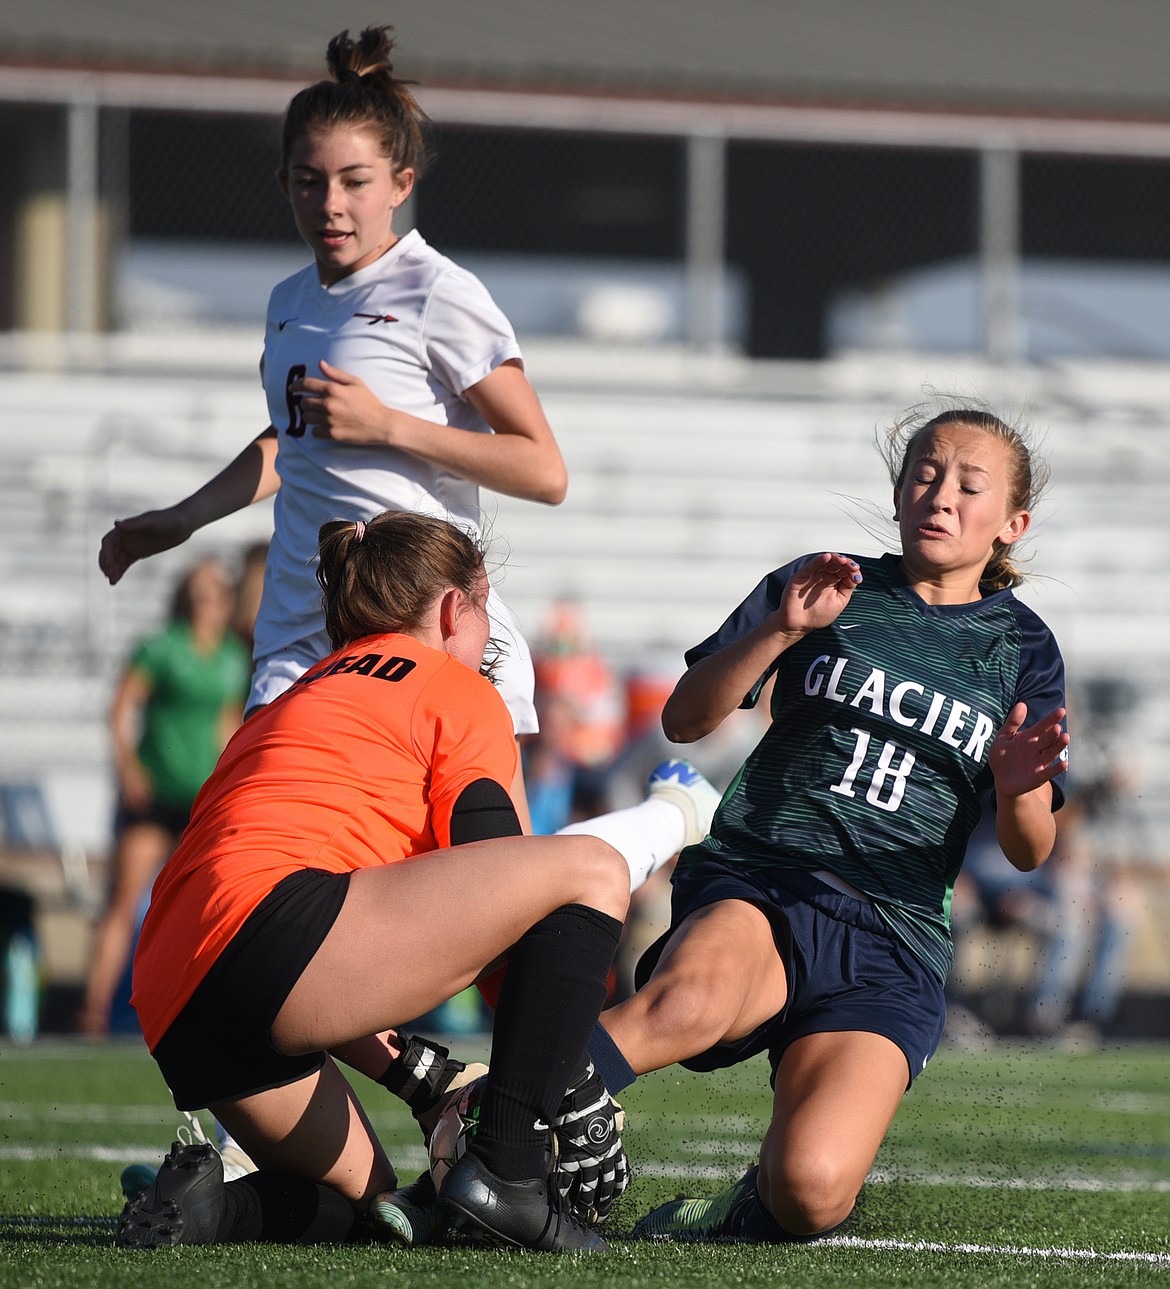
(952, 507)
(344, 192)
(212, 599)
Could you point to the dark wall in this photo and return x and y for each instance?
(802, 221)
(805, 221)
(555, 194)
(205, 176)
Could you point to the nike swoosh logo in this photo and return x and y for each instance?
(280, 326)
(539, 1126)
(849, 626)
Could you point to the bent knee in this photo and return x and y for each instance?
(603, 876)
(810, 1196)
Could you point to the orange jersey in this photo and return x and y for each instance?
(359, 764)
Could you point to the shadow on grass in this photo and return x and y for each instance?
(96, 1232)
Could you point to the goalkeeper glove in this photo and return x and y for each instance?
(592, 1168)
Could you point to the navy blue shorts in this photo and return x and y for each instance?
(846, 969)
(219, 1047)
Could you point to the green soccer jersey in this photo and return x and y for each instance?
(189, 690)
(876, 757)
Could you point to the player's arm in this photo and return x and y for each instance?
(482, 811)
(520, 459)
(249, 478)
(713, 687)
(1024, 761)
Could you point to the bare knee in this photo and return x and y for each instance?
(603, 877)
(810, 1195)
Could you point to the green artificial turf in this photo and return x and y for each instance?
(1016, 1165)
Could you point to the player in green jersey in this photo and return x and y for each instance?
(813, 923)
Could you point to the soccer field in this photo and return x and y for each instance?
(1018, 1165)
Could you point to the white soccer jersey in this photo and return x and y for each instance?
(418, 330)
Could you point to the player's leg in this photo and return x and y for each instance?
(141, 850)
(320, 1165)
(864, 1017)
(555, 906)
(719, 979)
(410, 935)
(836, 1095)
(677, 812)
(719, 983)
(316, 1128)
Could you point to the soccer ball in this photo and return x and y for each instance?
(456, 1128)
(454, 1131)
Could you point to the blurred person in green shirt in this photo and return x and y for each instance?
(178, 700)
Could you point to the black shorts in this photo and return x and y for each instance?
(169, 816)
(846, 969)
(219, 1047)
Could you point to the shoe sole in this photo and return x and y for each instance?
(154, 1218)
(409, 1232)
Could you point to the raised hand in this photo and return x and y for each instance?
(140, 537)
(1023, 759)
(817, 592)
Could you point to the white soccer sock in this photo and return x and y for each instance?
(646, 835)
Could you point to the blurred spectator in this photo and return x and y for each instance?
(560, 790)
(1080, 906)
(177, 702)
(717, 756)
(19, 966)
(1082, 976)
(590, 727)
(990, 892)
(581, 709)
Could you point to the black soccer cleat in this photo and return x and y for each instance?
(527, 1214)
(183, 1205)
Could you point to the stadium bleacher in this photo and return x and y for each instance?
(689, 479)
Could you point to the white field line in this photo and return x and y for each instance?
(726, 1158)
(84, 1112)
(23, 1112)
(832, 1241)
(993, 1250)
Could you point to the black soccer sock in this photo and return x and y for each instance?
(279, 1208)
(553, 989)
